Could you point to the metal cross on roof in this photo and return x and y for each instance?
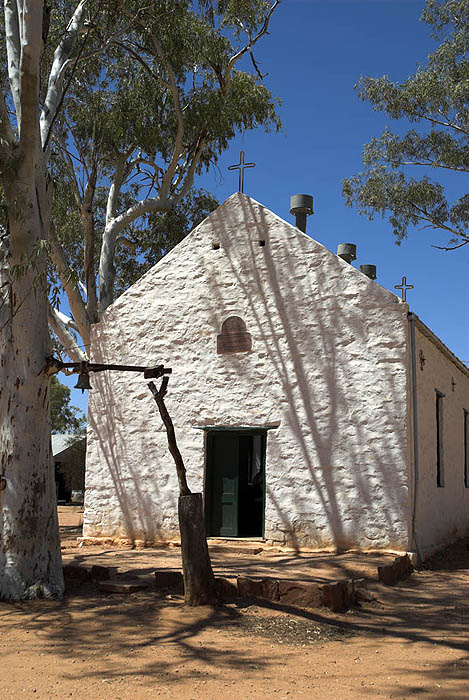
(241, 166)
(404, 286)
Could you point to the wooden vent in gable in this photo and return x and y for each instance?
(233, 337)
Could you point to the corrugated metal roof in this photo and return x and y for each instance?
(63, 441)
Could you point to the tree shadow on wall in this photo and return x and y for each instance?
(314, 376)
(132, 489)
(339, 481)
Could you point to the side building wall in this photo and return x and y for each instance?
(442, 511)
(327, 368)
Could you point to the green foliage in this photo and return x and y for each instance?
(64, 418)
(120, 107)
(435, 97)
(158, 234)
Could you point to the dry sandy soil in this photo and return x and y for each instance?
(410, 641)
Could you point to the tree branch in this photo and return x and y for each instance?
(142, 62)
(454, 247)
(122, 240)
(234, 59)
(67, 159)
(12, 37)
(146, 206)
(159, 395)
(178, 144)
(30, 32)
(110, 236)
(75, 300)
(68, 341)
(448, 124)
(115, 189)
(431, 164)
(86, 215)
(424, 215)
(56, 76)
(189, 179)
(76, 143)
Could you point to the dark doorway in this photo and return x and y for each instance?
(235, 483)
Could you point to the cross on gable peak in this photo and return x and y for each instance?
(404, 287)
(241, 166)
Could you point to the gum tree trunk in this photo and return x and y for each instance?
(30, 561)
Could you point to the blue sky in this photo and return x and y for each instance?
(314, 55)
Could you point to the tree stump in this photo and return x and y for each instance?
(199, 581)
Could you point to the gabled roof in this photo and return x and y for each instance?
(64, 441)
(255, 217)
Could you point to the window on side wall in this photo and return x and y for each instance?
(466, 448)
(439, 439)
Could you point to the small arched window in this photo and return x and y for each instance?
(233, 337)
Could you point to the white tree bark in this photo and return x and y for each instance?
(70, 285)
(12, 36)
(30, 561)
(57, 73)
(61, 327)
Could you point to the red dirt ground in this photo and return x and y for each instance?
(410, 641)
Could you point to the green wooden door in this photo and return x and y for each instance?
(221, 496)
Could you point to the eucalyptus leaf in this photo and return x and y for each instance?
(436, 98)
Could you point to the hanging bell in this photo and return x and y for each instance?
(83, 382)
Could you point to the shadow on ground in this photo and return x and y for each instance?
(152, 635)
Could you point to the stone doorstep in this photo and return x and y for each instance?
(338, 596)
(239, 547)
(121, 542)
(247, 546)
(77, 573)
(170, 579)
(101, 576)
(236, 549)
(400, 569)
(114, 586)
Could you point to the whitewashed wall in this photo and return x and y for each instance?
(328, 365)
(442, 513)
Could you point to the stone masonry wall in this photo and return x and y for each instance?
(327, 366)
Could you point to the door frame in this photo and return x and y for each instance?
(262, 431)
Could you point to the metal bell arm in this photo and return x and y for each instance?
(55, 365)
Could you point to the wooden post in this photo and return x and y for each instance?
(199, 581)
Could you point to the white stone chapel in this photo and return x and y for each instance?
(311, 408)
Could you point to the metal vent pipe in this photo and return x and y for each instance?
(347, 251)
(369, 271)
(301, 205)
